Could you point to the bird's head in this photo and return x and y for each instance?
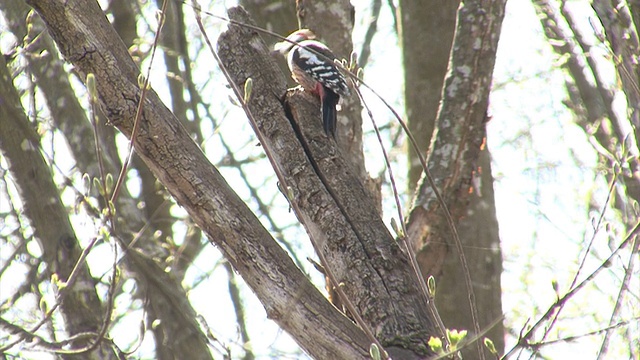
(290, 41)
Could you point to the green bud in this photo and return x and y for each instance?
(98, 185)
(248, 88)
(394, 226)
(455, 337)
(353, 61)
(86, 183)
(374, 352)
(141, 81)
(490, 346)
(431, 286)
(435, 344)
(109, 183)
(92, 87)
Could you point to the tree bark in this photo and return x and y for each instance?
(88, 41)
(426, 34)
(330, 200)
(278, 16)
(478, 230)
(455, 166)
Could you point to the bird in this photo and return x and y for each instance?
(312, 66)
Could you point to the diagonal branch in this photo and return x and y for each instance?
(329, 198)
(88, 41)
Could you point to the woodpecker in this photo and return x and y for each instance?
(312, 66)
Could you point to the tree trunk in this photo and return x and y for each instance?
(87, 40)
(478, 230)
(331, 203)
(461, 175)
(426, 33)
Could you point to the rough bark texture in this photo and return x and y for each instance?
(427, 31)
(278, 16)
(337, 35)
(330, 200)
(453, 159)
(88, 41)
(80, 307)
(426, 34)
(179, 334)
(478, 230)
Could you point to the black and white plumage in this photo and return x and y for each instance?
(312, 66)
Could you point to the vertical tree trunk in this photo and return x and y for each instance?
(478, 230)
(426, 33)
(457, 160)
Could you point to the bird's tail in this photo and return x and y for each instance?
(330, 112)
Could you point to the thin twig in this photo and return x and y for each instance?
(523, 341)
(403, 238)
(590, 333)
(365, 51)
(107, 316)
(236, 301)
(556, 316)
(623, 288)
(143, 94)
(63, 291)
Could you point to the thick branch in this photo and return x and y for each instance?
(426, 33)
(86, 39)
(70, 118)
(329, 199)
(453, 157)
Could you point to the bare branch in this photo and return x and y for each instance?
(87, 40)
(20, 144)
(341, 219)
